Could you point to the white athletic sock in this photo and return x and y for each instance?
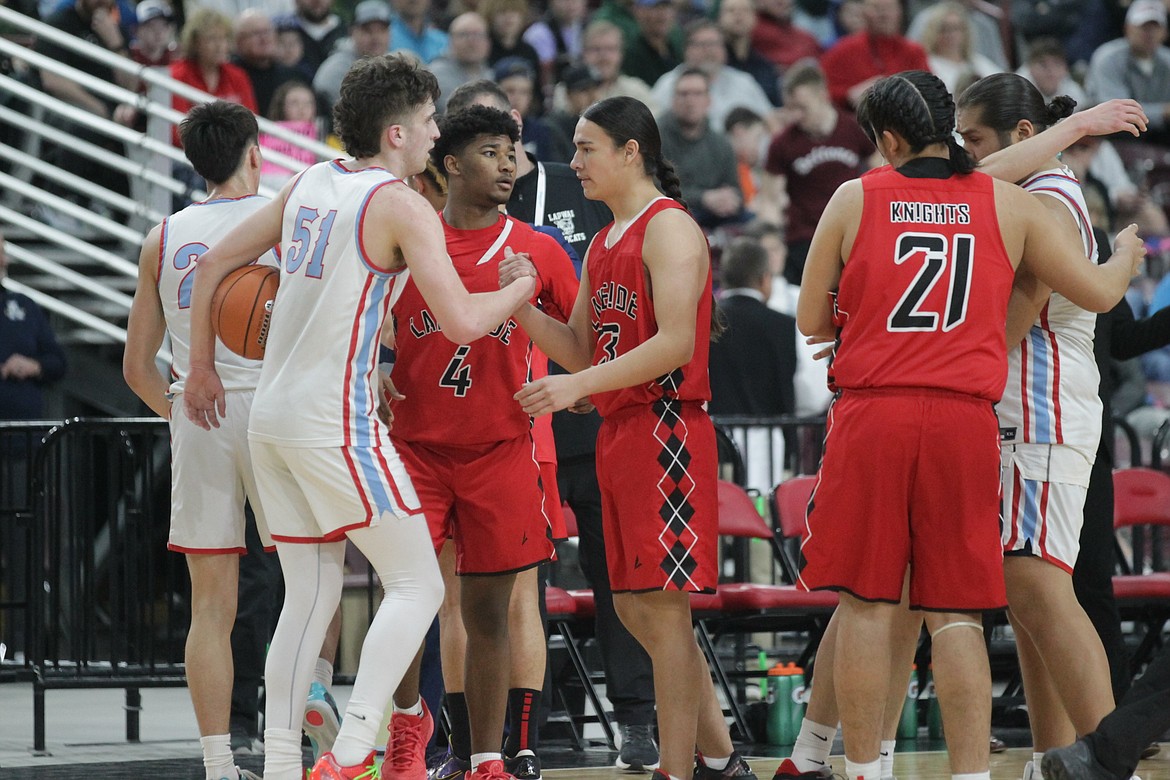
(887, 757)
(973, 776)
(479, 758)
(359, 731)
(323, 674)
(868, 771)
(811, 751)
(1036, 759)
(416, 710)
(718, 764)
(218, 761)
(282, 754)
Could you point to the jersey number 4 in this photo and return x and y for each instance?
(458, 373)
(908, 315)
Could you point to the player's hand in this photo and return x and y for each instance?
(548, 394)
(517, 266)
(1128, 241)
(389, 393)
(583, 406)
(20, 368)
(203, 398)
(1121, 115)
(812, 341)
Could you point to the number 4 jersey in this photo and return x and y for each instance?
(922, 301)
(461, 394)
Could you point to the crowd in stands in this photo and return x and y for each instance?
(755, 98)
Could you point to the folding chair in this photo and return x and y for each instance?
(1141, 497)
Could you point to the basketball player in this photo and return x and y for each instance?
(459, 432)
(207, 525)
(1050, 424)
(643, 359)
(899, 249)
(323, 461)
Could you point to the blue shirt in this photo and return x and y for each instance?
(431, 44)
(24, 330)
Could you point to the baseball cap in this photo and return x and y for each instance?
(371, 11)
(645, 3)
(579, 77)
(1142, 11)
(149, 10)
(514, 66)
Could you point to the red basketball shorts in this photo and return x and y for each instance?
(908, 478)
(656, 466)
(487, 498)
(552, 501)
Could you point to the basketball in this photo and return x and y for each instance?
(242, 309)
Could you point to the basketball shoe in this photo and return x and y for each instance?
(450, 767)
(327, 768)
(736, 767)
(525, 765)
(1074, 762)
(490, 770)
(321, 719)
(639, 751)
(788, 771)
(406, 752)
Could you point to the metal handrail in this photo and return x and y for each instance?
(67, 241)
(72, 313)
(58, 203)
(43, 264)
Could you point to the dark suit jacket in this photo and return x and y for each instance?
(754, 361)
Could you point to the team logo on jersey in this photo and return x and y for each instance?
(14, 311)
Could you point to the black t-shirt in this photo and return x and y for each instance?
(68, 20)
(579, 219)
(265, 81)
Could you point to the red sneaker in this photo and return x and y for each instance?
(327, 768)
(490, 770)
(406, 751)
(788, 771)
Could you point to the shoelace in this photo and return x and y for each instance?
(405, 745)
(496, 772)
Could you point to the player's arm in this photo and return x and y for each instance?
(558, 281)
(404, 218)
(568, 344)
(145, 332)
(203, 396)
(674, 252)
(1028, 297)
(1057, 259)
(822, 268)
(1015, 162)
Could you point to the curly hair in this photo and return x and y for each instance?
(458, 129)
(378, 92)
(917, 106)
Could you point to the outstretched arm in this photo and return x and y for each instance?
(569, 343)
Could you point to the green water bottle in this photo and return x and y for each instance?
(908, 724)
(934, 722)
(800, 694)
(782, 680)
(763, 680)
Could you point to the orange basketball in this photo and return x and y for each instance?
(242, 309)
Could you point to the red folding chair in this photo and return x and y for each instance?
(1141, 498)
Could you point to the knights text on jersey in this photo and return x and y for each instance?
(621, 311)
(184, 237)
(463, 393)
(923, 297)
(319, 381)
(1051, 391)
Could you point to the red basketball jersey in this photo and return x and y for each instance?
(922, 300)
(622, 313)
(462, 394)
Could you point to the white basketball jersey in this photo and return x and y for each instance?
(186, 235)
(319, 384)
(1051, 394)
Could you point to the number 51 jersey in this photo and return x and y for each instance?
(922, 300)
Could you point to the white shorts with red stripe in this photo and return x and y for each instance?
(211, 476)
(1044, 488)
(317, 494)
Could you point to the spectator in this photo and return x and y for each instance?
(986, 38)
(290, 47)
(557, 38)
(777, 38)
(602, 52)
(654, 50)
(293, 107)
(154, 42)
(1137, 66)
(946, 36)
(30, 357)
(857, 61)
(619, 13)
(369, 35)
(256, 55)
(581, 88)
(737, 19)
(729, 88)
(205, 48)
(1047, 68)
(411, 30)
(467, 59)
(748, 133)
(703, 157)
(849, 18)
(506, 21)
(319, 29)
(818, 152)
(518, 80)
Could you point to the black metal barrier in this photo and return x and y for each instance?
(771, 449)
(107, 605)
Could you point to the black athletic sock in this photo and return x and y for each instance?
(460, 725)
(523, 721)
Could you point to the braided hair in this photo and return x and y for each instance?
(624, 119)
(1003, 100)
(915, 105)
